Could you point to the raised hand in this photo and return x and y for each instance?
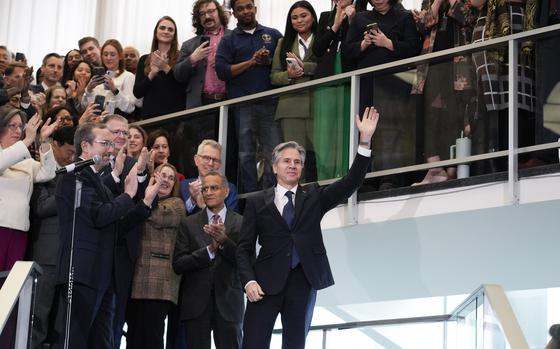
(48, 129)
(31, 129)
(368, 124)
(152, 189)
(131, 182)
(201, 52)
(119, 161)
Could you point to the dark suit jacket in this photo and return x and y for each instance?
(263, 221)
(201, 274)
(230, 201)
(131, 233)
(96, 228)
(192, 77)
(327, 44)
(44, 223)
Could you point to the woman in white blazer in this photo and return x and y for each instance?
(18, 172)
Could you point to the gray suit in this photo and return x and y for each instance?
(192, 77)
(211, 292)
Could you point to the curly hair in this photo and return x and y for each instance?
(199, 29)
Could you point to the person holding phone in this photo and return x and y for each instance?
(385, 34)
(155, 81)
(294, 62)
(116, 86)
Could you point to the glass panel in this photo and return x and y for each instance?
(317, 118)
(185, 134)
(543, 122)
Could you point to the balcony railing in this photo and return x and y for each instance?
(512, 153)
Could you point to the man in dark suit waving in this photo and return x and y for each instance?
(211, 294)
(292, 263)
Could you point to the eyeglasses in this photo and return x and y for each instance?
(106, 144)
(120, 132)
(15, 127)
(210, 11)
(207, 159)
(206, 189)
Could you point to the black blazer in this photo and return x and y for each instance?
(96, 228)
(327, 44)
(201, 274)
(263, 221)
(131, 232)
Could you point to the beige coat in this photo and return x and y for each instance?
(18, 172)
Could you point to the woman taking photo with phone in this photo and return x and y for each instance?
(154, 78)
(117, 83)
(294, 62)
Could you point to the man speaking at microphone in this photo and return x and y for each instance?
(88, 242)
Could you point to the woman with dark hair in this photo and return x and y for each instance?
(137, 138)
(62, 113)
(72, 58)
(158, 145)
(332, 103)
(155, 81)
(294, 62)
(80, 79)
(385, 34)
(155, 286)
(117, 84)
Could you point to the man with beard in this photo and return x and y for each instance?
(88, 239)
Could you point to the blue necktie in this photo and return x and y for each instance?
(289, 215)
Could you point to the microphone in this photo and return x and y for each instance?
(78, 165)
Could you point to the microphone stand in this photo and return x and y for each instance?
(77, 200)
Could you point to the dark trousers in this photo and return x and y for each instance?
(227, 334)
(295, 304)
(44, 302)
(91, 320)
(125, 272)
(257, 133)
(146, 323)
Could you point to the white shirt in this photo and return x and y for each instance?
(222, 219)
(303, 50)
(280, 198)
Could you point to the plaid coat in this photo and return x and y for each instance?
(154, 277)
(462, 15)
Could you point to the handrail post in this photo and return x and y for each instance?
(353, 146)
(223, 133)
(513, 176)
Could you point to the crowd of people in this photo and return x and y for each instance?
(149, 244)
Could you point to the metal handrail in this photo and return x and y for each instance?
(495, 295)
(18, 286)
(371, 323)
(408, 63)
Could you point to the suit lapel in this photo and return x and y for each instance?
(269, 204)
(301, 196)
(205, 239)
